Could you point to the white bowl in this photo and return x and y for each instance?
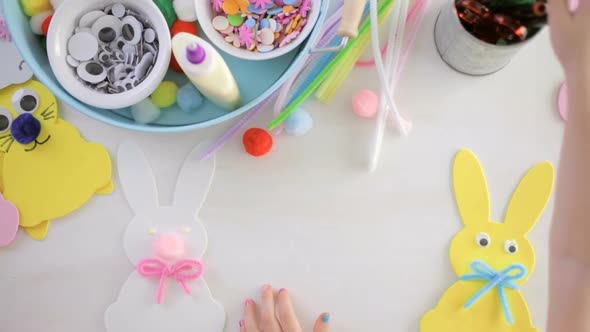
(205, 15)
(62, 27)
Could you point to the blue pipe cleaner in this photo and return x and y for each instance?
(25, 129)
(321, 62)
(319, 65)
(503, 279)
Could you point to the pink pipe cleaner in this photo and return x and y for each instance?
(183, 271)
(413, 22)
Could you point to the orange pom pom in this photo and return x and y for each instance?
(182, 26)
(174, 65)
(257, 142)
(45, 25)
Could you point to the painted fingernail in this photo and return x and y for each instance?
(242, 323)
(266, 287)
(247, 303)
(281, 290)
(326, 318)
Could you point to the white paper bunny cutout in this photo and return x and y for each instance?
(13, 67)
(167, 235)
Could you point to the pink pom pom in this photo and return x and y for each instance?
(170, 246)
(365, 103)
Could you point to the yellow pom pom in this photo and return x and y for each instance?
(165, 94)
(34, 7)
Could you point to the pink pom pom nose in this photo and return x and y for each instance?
(170, 246)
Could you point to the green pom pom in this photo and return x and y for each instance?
(165, 94)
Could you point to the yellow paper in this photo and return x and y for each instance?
(527, 204)
(57, 173)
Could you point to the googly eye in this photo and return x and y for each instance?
(107, 29)
(25, 101)
(5, 120)
(149, 35)
(91, 72)
(132, 30)
(118, 10)
(152, 231)
(117, 44)
(511, 247)
(483, 240)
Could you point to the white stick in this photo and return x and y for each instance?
(394, 51)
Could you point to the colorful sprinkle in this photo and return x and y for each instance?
(220, 23)
(235, 20)
(260, 25)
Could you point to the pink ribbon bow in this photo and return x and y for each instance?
(183, 271)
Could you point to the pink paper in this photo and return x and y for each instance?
(8, 222)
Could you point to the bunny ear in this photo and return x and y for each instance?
(530, 198)
(137, 178)
(194, 180)
(471, 189)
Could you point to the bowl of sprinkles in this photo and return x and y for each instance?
(257, 29)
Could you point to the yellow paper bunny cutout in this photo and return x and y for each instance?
(492, 259)
(48, 169)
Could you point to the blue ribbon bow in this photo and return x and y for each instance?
(503, 279)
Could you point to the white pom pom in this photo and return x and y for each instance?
(145, 111)
(37, 20)
(56, 3)
(185, 10)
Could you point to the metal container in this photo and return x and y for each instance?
(464, 52)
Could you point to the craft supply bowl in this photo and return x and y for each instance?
(257, 79)
(205, 14)
(64, 22)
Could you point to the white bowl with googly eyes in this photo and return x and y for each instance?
(109, 54)
(206, 15)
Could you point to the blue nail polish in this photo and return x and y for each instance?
(326, 318)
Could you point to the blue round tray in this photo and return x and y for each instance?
(257, 79)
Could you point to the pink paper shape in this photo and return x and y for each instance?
(8, 222)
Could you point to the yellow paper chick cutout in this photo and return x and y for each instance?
(493, 247)
(47, 171)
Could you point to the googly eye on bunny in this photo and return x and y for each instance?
(166, 244)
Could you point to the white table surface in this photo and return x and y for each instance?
(370, 249)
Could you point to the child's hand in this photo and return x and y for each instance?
(569, 35)
(276, 318)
